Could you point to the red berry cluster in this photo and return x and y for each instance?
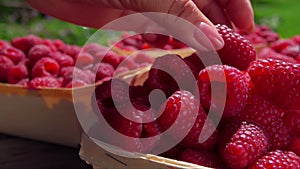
(246, 109)
(35, 62)
(287, 50)
(148, 40)
(262, 34)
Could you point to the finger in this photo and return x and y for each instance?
(240, 12)
(213, 11)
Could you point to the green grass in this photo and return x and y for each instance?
(283, 16)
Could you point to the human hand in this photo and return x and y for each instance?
(195, 26)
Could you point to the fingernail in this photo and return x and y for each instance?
(213, 35)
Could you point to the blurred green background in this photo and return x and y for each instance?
(18, 19)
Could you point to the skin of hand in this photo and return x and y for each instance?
(191, 21)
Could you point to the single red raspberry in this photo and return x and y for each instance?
(46, 81)
(110, 93)
(143, 58)
(94, 48)
(237, 51)
(292, 122)
(3, 43)
(267, 116)
(75, 83)
(45, 67)
(37, 52)
(217, 79)
(62, 59)
(111, 58)
(84, 60)
(17, 73)
(281, 44)
(195, 64)
(25, 43)
(244, 146)
(50, 44)
(71, 73)
(201, 157)
(278, 81)
(203, 126)
(156, 40)
(104, 70)
(269, 53)
(169, 73)
(72, 50)
(5, 65)
(277, 159)
(23, 82)
(179, 114)
(58, 43)
(13, 54)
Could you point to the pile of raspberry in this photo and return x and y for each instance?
(34, 62)
(241, 114)
(144, 41)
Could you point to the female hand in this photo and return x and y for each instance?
(191, 21)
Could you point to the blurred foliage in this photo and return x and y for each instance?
(18, 19)
(281, 15)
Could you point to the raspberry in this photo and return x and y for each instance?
(49, 43)
(84, 60)
(278, 81)
(13, 54)
(104, 93)
(23, 82)
(292, 122)
(75, 83)
(5, 65)
(246, 145)
(104, 70)
(25, 43)
(267, 116)
(71, 50)
(93, 48)
(237, 51)
(201, 157)
(168, 73)
(215, 79)
(142, 58)
(45, 67)
(73, 73)
(281, 44)
(156, 40)
(195, 63)
(58, 43)
(46, 81)
(17, 73)
(268, 53)
(111, 58)
(204, 128)
(37, 52)
(179, 114)
(62, 59)
(128, 63)
(278, 159)
(3, 43)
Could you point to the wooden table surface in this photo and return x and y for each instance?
(19, 153)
